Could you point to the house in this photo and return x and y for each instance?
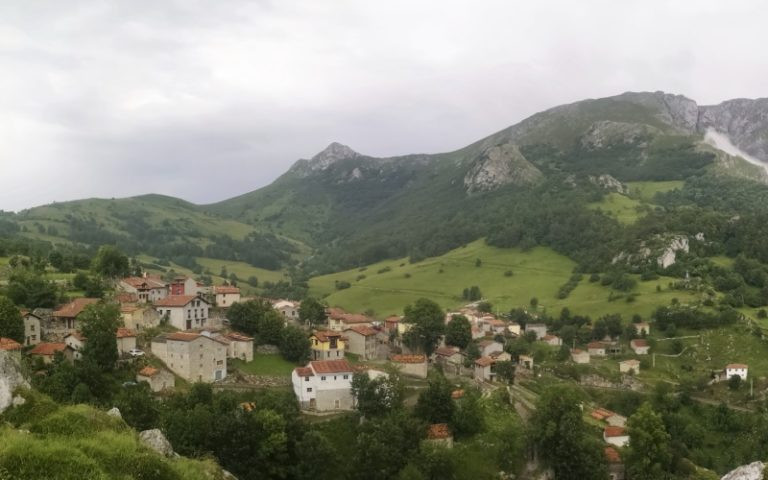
(477, 332)
(183, 286)
(412, 365)
(193, 356)
(11, 346)
(391, 323)
(139, 317)
(324, 385)
(240, 346)
(495, 326)
(184, 312)
(440, 433)
(501, 356)
(126, 340)
(361, 340)
(46, 350)
(484, 369)
(226, 295)
(514, 329)
(450, 358)
(639, 346)
(616, 420)
(596, 348)
(616, 436)
(736, 369)
(146, 289)
(642, 328)
(579, 356)
(32, 331)
(630, 366)
(288, 309)
(405, 327)
(64, 320)
(552, 340)
(339, 320)
(487, 347)
(327, 345)
(159, 379)
(75, 341)
(525, 361)
(615, 465)
(539, 328)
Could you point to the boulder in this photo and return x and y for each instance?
(10, 379)
(155, 440)
(114, 412)
(753, 471)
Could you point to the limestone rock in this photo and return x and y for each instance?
(324, 160)
(608, 182)
(114, 412)
(743, 121)
(155, 440)
(18, 401)
(498, 166)
(606, 133)
(10, 379)
(676, 244)
(753, 471)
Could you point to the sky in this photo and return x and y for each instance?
(206, 100)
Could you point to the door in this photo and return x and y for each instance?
(312, 403)
(189, 324)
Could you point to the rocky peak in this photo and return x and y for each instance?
(332, 153)
(743, 121)
(498, 166)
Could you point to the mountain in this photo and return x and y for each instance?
(353, 208)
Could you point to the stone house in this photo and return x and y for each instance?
(539, 328)
(628, 366)
(450, 358)
(226, 295)
(339, 320)
(184, 312)
(240, 346)
(11, 346)
(639, 346)
(159, 379)
(192, 356)
(75, 341)
(139, 317)
(736, 369)
(596, 349)
(514, 329)
(324, 385)
(327, 345)
(64, 320)
(146, 289)
(642, 328)
(32, 331)
(552, 340)
(579, 356)
(489, 346)
(126, 340)
(411, 365)
(525, 361)
(484, 370)
(362, 341)
(615, 465)
(47, 350)
(288, 309)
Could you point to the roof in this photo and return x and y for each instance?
(362, 330)
(149, 371)
(732, 366)
(392, 319)
(576, 351)
(550, 337)
(141, 282)
(124, 333)
(304, 372)
(177, 300)
(47, 348)
(408, 358)
(614, 432)
(225, 289)
(456, 394)
(446, 351)
(594, 345)
(238, 337)
(77, 335)
(9, 344)
(439, 431)
(330, 366)
(183, 336)
(484, 361)
(612, 455)
(325, 336)
(339, 314)
(639, 343)
(26, 313)
(631, 362)
(75, 307)
(601, 414)
(126, 298)
(641, 324)
(485, 343)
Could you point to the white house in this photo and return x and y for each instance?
(240, 346)
(630, 366)
(616, 436)
(734, 369)
(146, 289)
(126, 340)
(539, 328)
(75, 341)
(184, 312)
(487, 347)
(514, 329)
(596, 348)
(640, 346)
(226, 295)
(32, 332)
(579, 356)
(288, 309)
(552, 340)
(484, 369)
(324, 385)
(159, 379)
(642, 328)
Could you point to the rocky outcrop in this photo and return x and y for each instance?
(676, 244)
(753, 471)
(114, 412)
(332, 154)
(11, 378)
(743, 121)
(606, 133)
(498, 166)
(608, 182)
(155, 440)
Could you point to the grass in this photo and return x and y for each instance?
(536, 273)
(645, 191)
(265, 364)
(242, 270)
(624, 209)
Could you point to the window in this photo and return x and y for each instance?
(220, 362)
(309, 389)
(34, 337)
(334, 377)
(346, 377)
(201, 355)
(322, 379)
(32, 327)
(306, 379)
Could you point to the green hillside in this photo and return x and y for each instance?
(536, 273)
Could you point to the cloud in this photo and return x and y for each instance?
(206, 100)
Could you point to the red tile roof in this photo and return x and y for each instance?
(330, 366)
(611, 455)
(75, 307)
(225, 289)
(124, 333)
(304, 372)
(325, 336)
(143, 283)
(348, 318)
(176, 300)
(47, 348)
(9, 344)
(148, 371)
(183, 336)
(601, 413)
(736, 365)
(362, 330)
(408, 358)
(238, 337)
(484, 361)
(127, 298)
(439, 431)
(638, 343)
(614, 432)
(446, 351)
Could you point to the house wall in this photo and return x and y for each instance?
(141, 319)
(413, 369)
(227, 299)
(493, 347)
(160, 381)
(125, 344)
(241, 350)
(730, 372)
(326, 392)
(76, 345)
(199, 360)
(160, 350)
(192, 315)
(32, 331)
(617, 441)
(361, 345)
(483, 373)
(540, 331)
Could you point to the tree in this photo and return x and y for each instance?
(385, 445)
(377, 396)
(560, 436)
(534, 302)
(648, 454)
(734, 383)
(436, 462)
(270, 329)
(468, 418)
(316, 450)
(31, 290)
(294, 345)
(111, 262)
(137, 407)
(312, 312)
(435, 404)
(506, 371)
(458, 332)
(11, 322)
(99, 326)
(426, 317)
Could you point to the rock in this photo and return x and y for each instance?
(11, 378)
(606, 133)
(678, 243)
(753, 471)
(608, 182)
(155, 440)
(18, 400)
(324, 160)
(743, 121)
(498, 166)
(114, 412)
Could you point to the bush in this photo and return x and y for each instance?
(342, 284)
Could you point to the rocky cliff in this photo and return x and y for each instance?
(753, 471)
(10, 379)
(743, 121)
(498, 166)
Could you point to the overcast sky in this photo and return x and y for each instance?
(205, 100)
